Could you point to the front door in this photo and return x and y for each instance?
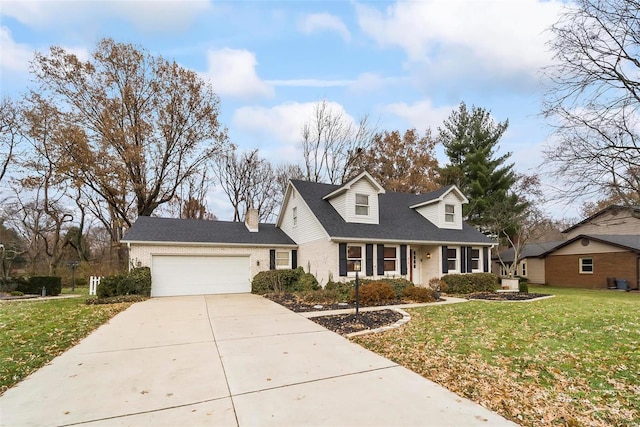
(415, 267)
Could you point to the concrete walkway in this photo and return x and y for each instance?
(228, 360)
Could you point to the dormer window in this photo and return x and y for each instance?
(362, 204)
(449, 213)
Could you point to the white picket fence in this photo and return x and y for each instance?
(94, 281)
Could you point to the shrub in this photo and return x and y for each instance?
(419, 294)
(469, 283)
(437, 284)
(374, 293)
(398, 285)
(343, 290)
(139, 281)
(288, 280)
(322, 296)
(523, 287)
(16, 293)
(34, 285)
(110, 285)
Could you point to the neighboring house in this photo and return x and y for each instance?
(330, 230)
(604, 245)
(530, 264)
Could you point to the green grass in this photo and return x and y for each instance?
(570, 360)
(34, 332)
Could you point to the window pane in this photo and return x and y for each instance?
(475, 264)
(354, 252)
(390, 265)
(452, 253)
(475, 253)
(389, 252)
(362, 199)
(282, 262)
(449, 209)
(452, 264)
(362, 210)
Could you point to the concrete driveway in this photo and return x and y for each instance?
(228, 360)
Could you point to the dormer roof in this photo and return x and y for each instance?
(347, 186)
(438, 196)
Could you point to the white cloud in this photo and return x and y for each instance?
(496, 35)
(14, 57)
(282, 122)
(159, 15)
(233, 73)
(310, 83)
(421, 115)
(318, 22)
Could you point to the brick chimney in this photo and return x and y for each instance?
(251, 219)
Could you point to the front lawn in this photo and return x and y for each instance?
(34, 332)
(570, 360)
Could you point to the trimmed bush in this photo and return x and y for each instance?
(398, 285)
(287, 280)
(374, 293)
(322, 296)
(136, 282)
(34, 285)
(342, 289)
(523, 287)
(16, 293)
(419, 294)
(469, 283)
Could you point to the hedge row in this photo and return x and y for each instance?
(287, 280)
(136, 282)
(469, 283)
(34, 285)
(398, 285)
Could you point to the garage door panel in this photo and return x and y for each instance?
(197, 275)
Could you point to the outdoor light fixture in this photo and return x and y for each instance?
(429, 255)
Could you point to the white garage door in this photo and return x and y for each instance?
(196, 275)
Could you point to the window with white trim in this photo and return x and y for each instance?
(390, 258)
(523, 266)
(354, 258)
(503, 269)
(475, 259)
(362, 204)
(283, 259)
(586, 265)
(295, 215)
(449, 213)
(452, 259)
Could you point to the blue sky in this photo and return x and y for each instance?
(405, 64)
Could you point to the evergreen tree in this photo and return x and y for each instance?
(470, 139)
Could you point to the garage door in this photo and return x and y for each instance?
(197, 275)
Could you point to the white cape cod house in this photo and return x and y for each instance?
(331, 231)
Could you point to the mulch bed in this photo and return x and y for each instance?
(347, 323)
(341, 323)
(293, 303)
(505, 296)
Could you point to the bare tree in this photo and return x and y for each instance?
(593, 99)
(9, 135)
(331, 142)
(285, 172)
(137, 126)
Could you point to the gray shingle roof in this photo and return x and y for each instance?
(530, 250)
(152, 229)
(397, 221)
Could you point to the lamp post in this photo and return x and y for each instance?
(73, 265)
(356, 268)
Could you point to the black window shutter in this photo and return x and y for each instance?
(342, 255)
(463, 259)
(369, 269)
(469, 259)
(380, 260)
(445, 263)
(403, 259)
(294, 258)
(485, 259)
(272, 259)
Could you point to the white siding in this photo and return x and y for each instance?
(535, 270)
(430, 212)
(607, 223)
(435, 212)
(363, 186)
(307, 228)
(339, 203)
